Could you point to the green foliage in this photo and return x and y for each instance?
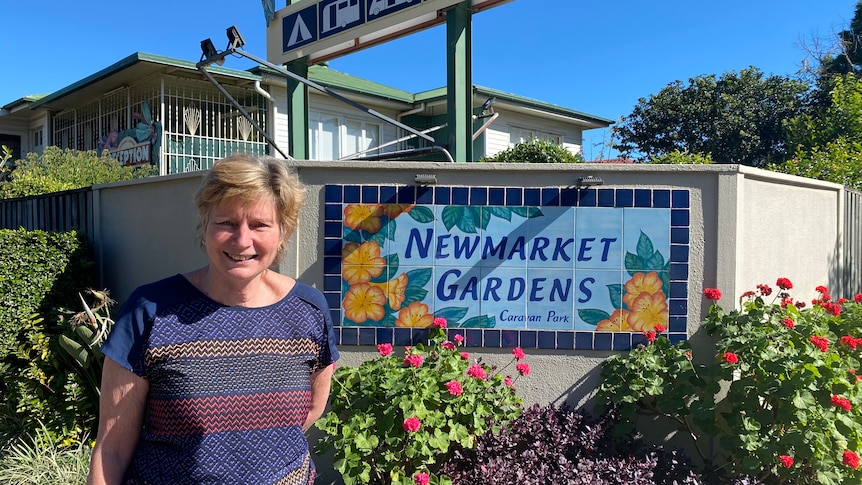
(5, 156)
(535, 151)
(678, 157)
(849, 57)
(455, 400)
(736, 118)
(57, 170)
(792, 407)
(42, 274)
(38, 460)
(828, 140)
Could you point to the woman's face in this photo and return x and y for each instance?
(242, 239)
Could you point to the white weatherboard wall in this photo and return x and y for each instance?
(747, 226)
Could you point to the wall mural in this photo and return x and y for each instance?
(561, 267)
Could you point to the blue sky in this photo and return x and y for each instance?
(597, 57)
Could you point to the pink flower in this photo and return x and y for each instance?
(788, 323)
(850, 459)
(447, 345)
(712, 294)
(421, 478)
(784, 283)
(842, 402)
(454, 388)
(440, 322)
(413, 360)
(384, 349)
(508, 381)
(730, 358)
(412, 424)
(465, 356)
(458, 338)
(523, 368)
(786, 460)
(518, 353)
(476, 371)
(821, 343)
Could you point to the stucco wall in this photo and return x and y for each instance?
(747, 226)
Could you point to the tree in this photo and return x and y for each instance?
(736, 118)
(828, 140)
(56, 170)
(848, 60)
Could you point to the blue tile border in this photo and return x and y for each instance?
(678, 201)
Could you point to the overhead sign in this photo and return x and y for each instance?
(325, 29)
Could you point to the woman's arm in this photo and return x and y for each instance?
(121, 414)
(320, 381)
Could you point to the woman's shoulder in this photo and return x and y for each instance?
(309, 294)
(170, 288)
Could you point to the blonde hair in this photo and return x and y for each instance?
(251, 179)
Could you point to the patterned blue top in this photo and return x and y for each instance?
(229, 386)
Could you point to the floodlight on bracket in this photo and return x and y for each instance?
(425, 179)
(236, 41)
(589, 181)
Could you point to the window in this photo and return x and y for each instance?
(520, 135)
(332, 137)
(38, 136)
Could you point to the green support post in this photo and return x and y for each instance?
(459, 81)
(297, 112)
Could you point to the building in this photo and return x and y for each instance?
(153, 109)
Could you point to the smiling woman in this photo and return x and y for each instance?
(214, 375)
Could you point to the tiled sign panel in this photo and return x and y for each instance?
(558, 268)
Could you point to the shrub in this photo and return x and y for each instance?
(42, 273)
(535, 151)
(677, 157)
(791, 410)
(396, 419)
(57, 170)
(560, 445)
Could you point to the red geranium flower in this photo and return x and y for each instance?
(730, 358)
(421, 478)
(821, 343)
(821, 289)
(784, 283)
(788, 323)
(384, 349)
(659, 328)
(858, 298)
(712, 294)
(412, 424)
(850, 459)
(841, 402)
(786, 460)
(849, 341)
(650, 336)
(765, 290)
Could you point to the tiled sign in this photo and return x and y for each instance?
(557, 268)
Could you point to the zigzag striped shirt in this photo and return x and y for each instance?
(229, 387)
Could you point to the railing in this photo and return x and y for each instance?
(851, 267)
(55, 212)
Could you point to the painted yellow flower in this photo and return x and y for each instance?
(364, 302)
(394, 290)
(394, 210)
(365, 217)
(648, 310)
(415, 315)
(361, 263)
(617, 322)
(641, 283)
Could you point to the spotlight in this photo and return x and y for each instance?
(209, 51)
(487, 104)
(589, 181)
(234, 38)
(425, 179)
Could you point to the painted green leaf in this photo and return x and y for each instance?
(390, 270)
(451, 215)
(655, 262)
(421, 214)
(528, 212)
(419, 277)
(616, 294)
(482, 216)
(593, 315)
(645, 248)
(414, 293)
(479, 321)
(351, 236)
(451, 314)
(500, 212)
(633, 263)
